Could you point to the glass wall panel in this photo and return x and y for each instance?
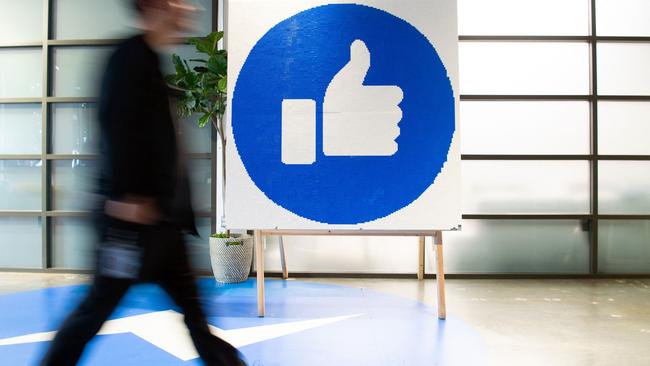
(525, 187)
(623, 17)
(73, 184)
(74, 242)
(202, 18)
(92, 19)
(20, 185)
(200, 177)
(21, 21)
(21, 72)
(20, 128)
(623, 68)
(199, 247)
(520, 127)
(76, 71)
(524, 68)
(73, 71)
(624, 246)
(523, 17)
(623, 187)
(74, 128)
(623, 128)
(97, 19)
(194, 138)
(20, 242)
(518, 246)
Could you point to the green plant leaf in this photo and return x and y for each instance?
(171, 78)
(204, 120)
(179, 65)
(176, 87)
(191, 80)
(220, 236)
(203, 83)
(222, 85)
(213, 40)
(211, 92)
(200, 45)
(218, 64)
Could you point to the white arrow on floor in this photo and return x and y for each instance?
(166, 330)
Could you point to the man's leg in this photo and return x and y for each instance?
(181, 286)
(85, 321)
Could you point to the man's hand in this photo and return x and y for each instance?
(135, 209)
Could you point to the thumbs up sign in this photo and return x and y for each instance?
(360, 120)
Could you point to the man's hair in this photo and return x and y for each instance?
(137, 5)
(141, 5)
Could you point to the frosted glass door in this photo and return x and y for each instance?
(552, 128)
(518, 246)
(21, 74)
(21, 20)
(529, 68)
(623, 68)
(75, 128)
(92, 19)
(525, 187)
(20, 129)
(623, 17)
(73, 184)
(77, 71)
(523, 17)
(623, 187)
(20, 185)
(624, 246)
(21, 242)
(74, 242)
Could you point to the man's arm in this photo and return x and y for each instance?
(130, 140)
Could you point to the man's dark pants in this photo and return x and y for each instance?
(164, 261)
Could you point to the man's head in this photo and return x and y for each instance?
(165, 18)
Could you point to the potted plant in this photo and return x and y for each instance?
(231, 257)
(201, 88)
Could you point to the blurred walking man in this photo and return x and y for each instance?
(145, 207)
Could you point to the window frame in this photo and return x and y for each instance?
(47, 213)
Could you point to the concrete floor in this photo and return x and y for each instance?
(523, 322)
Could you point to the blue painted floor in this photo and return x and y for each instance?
(315, 324)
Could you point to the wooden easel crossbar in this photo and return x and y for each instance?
(436, 235)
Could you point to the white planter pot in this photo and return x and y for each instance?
(231, 258)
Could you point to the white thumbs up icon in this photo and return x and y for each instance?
(358, 119)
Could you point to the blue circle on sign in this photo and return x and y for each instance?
(297, 59)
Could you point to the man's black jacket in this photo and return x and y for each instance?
(138, 144)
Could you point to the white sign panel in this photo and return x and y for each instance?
(343, 115)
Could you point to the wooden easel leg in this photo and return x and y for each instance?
(259, 260)
(440, 275)
(283, 260)
(421, 258)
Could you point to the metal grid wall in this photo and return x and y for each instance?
(591, 219)
(46, 101)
